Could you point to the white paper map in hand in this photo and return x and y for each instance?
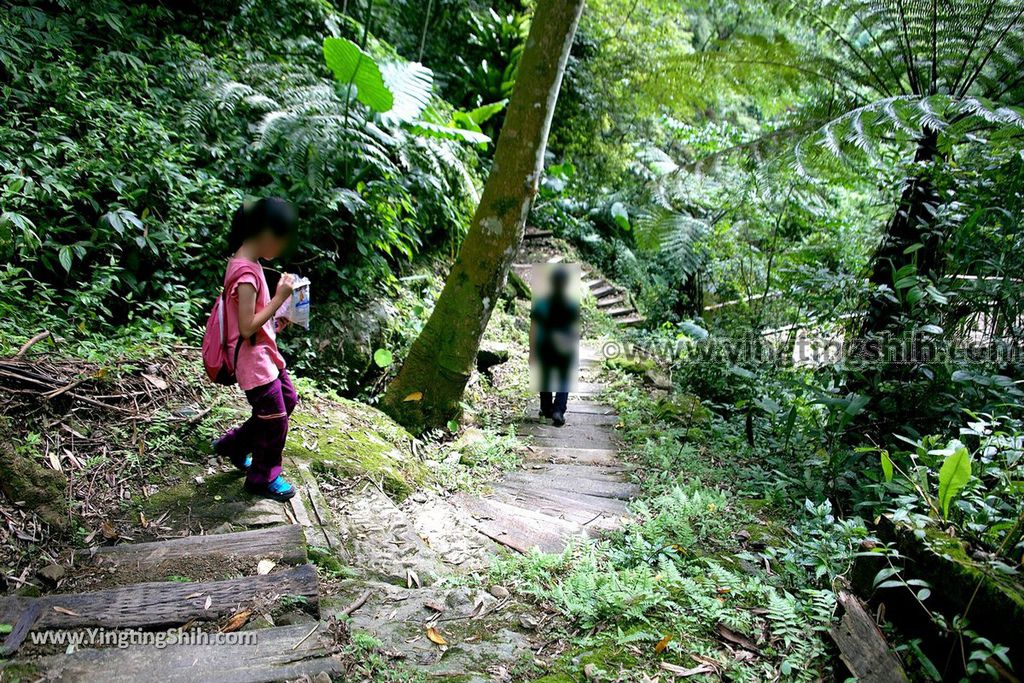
(296, 309)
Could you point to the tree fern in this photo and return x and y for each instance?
(880, 72)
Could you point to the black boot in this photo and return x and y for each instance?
(557, 419)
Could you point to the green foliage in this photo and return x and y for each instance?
(354, 67)
(954, 474)
(127, 148)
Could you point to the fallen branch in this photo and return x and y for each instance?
(33, 341)
(360, 601)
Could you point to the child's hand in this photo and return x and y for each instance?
(285, 285)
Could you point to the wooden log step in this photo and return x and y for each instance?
(272, 654)
(159, 604)
(536, 234)
(516, 527)
(283, 544)
(557, 258)
(603, 290)
(620, 311)
(570, 471)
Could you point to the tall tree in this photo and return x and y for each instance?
(429, 387)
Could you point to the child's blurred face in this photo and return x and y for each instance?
(270, 246)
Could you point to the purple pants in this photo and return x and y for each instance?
(265, 432)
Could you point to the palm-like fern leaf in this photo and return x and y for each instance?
(676, 233)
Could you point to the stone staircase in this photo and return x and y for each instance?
(539, 247)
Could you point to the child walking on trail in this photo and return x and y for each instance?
(259, 230)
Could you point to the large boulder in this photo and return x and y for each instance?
(344, 338)
(353, 440)
(42, 491)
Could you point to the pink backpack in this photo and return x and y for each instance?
(220, 364)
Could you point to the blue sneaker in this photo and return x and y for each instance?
(279, 489)
(243, 463)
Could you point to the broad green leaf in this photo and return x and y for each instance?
(64, 256)
(429, 129)
(954, 474)
(693, 330)
(886, 465)
(353, 66)
(383, 358)
(484, 112)
(620, 215)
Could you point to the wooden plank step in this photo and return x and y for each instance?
(603, 290)
(610, 301)
(574, 434)
(573, 507)
(516, 527)
(620, 311)
(582, 441)
(272, 654)
(557, 258)
(602, 475)
(283, 544)
(579, 406)
(608, 488)
(159, 604)
(630, 321)
(578, 418)
(536, 234)
(601, 457)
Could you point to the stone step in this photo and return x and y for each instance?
(557, 258)
(536, 233)
(603, 290)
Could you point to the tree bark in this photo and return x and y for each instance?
(428, 389)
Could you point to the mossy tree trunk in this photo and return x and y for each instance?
(910, 225)
(429, 387)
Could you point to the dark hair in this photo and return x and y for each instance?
(254, 217)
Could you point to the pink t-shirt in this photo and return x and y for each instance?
(258, 363)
